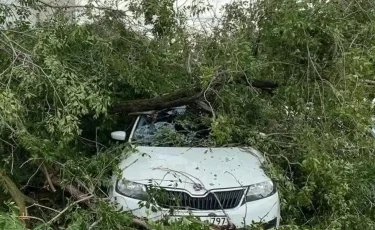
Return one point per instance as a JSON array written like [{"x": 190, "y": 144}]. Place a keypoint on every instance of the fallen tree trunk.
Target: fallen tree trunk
[
  {"x": 177, "y": 98},
  {"x": 186, "y": 96}
]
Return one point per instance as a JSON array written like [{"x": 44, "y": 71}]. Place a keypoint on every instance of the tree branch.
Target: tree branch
[
  {"x": 77, "y": 6},
  {"x": 16, "y": 195},
  {"x": 69, "y": 206},
  {"x": 46, "y": 174},
  {"x": 369, "y": 82},
  {"x": 72, "y": 190},
  {"x": 81, "y": 197}
]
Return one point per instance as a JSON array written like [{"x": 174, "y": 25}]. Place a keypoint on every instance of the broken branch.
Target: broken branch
[
  {"x": 69, "y": 206},
  {"x": 141, "y": 223},
  {"x": 49, "y": 181},
  {"x": 81, "y": 197},
  {"x": 369, "y": 82},
  {"x": 72, "y": 190},
  {"x": 16, "y": 195}
]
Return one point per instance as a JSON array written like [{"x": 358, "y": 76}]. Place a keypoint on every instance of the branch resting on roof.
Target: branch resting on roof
[{"x": 185, "y": 96}]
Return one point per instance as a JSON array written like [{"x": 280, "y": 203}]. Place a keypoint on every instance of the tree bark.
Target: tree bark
[
  {"x": 260, "y": 84},
  {"x": 186, "y": 96},
  {"x": 177, "y": 98}
]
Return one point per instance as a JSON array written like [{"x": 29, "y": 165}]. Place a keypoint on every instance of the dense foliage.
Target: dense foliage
[{"x": 60, "y": 80}]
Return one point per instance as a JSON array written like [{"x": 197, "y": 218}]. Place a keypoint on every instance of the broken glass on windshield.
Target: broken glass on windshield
[{"x": 173, "y": 127}]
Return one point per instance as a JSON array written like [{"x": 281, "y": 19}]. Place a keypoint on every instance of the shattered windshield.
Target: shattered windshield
[{"x": 173, "y": 127}]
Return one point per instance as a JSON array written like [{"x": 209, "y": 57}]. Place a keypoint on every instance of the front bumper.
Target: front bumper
[{"x": 266, "y": 210}]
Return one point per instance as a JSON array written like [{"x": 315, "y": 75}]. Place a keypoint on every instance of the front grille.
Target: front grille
[{"x": 211, "y": 201}]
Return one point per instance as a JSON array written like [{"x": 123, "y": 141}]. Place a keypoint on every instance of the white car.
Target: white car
[{"x": 224, "y": 186}]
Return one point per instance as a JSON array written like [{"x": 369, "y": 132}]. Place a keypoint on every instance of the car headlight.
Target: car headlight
[
  {"x": 131, "y": 189},
  {"x": 260, "y": 191}
]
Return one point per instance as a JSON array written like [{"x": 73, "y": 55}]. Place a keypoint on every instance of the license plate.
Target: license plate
[{"x": 220, "y": 221}]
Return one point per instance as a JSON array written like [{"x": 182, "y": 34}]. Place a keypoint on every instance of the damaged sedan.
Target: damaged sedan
[{"x": 176, "y": 174}]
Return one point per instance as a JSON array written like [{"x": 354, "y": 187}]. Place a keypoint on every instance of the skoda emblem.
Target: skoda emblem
[{"x": 197, "y": 187}]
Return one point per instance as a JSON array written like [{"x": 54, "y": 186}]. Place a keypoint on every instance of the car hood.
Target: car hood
[{"x": 181, "y": 168}]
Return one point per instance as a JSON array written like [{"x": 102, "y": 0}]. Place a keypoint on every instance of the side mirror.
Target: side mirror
[{"x": 119, "y": 135}]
